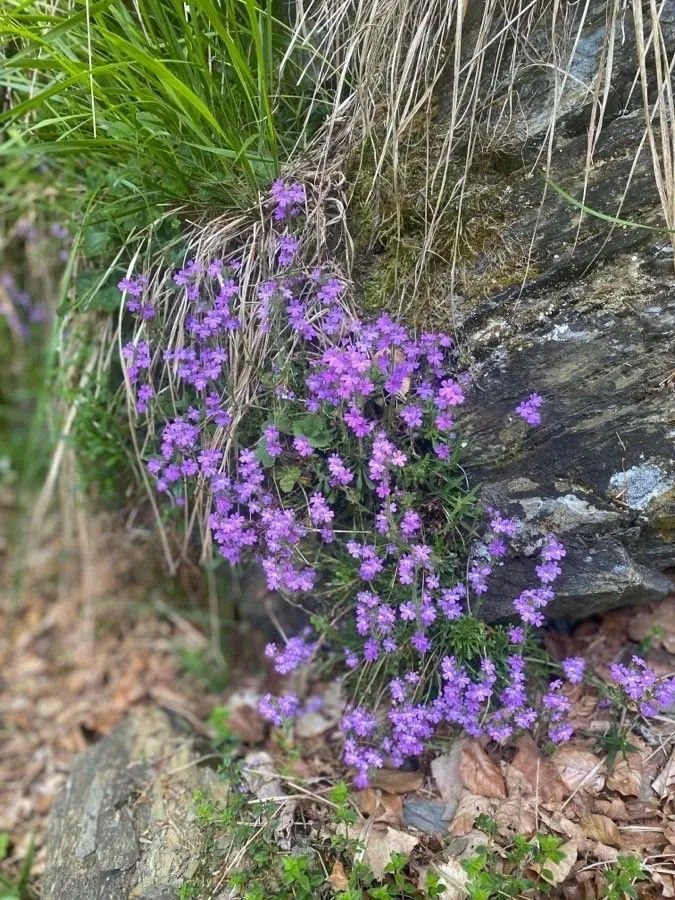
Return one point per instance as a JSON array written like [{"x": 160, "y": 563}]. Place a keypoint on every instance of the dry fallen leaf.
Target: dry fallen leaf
[
  {"x": 558, "y": 821},
  {"x": 517, "y": 816},
  {"x": 380, "y": 842},
  {"x": 615, "y": 808},
  {"x": 261, "y": 776},
  {"x": 580, "y": 769},
  {"x": 601, "y": 828},
  {"x": 311, "y": 724},
  {"x": 540, "y": 772},
  {"x": 468, "y": 810},
  {"x": 453, "y": 876},
  {"x": 667, "y": 883},
  {"x": 556, "y": 873},
  {"x": 626, "y": 776},
  {"x": 640, "y": 840},
  {"x": 247, "y": 723},
  {"x": 338, "y": 877},
  {"x": 380, "y": 806},
  {"x": 395, "y": 781},
  {"x": 479, "y": 773},
  {"x": 602, "y": 852},
  {"x": 657, "y": 626},
  {"x": 664, "y": 783}
]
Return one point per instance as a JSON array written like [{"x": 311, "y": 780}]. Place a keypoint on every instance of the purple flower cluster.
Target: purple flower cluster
[
  {"x": 21, "y": 312},
  {"x": 296, "y": 652},
  {"x": 135, "y": 286},
  {"x": 574, "y": 667},
  {"x": 640, "y": 685},
  {"x": 557, "y": 705},
  {"x": 342, "y": 476},
  {"x": 529, "y": 410},
  {"x": 289, "y": 199},
  {"x": 530, "y": 602},
  {"x": 278, "y": 709}
]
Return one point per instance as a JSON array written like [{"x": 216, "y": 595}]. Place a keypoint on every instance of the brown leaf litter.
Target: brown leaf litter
[{"x": 74, "y": 663}]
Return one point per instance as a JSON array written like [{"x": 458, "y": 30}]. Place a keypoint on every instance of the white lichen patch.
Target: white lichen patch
[
  {"x": 563, "y": 332},
  {"x": 565, "y": 513},
  {"x": 639, "y": 485}
]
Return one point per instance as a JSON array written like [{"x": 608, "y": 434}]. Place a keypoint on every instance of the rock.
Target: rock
[
  {"x": 589, "y": 328},
  {"x": 124, "y": 825},
  {"x": 426, "y": 816},
  {"x": 545, "y": 297},
  {"x": 599, "y": 471}
]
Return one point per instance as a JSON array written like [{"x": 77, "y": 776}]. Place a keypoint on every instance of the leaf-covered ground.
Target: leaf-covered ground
[{"x": 89, "y": 635}]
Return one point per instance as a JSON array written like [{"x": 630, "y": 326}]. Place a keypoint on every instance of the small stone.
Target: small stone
[{"x": 425, "y": 816}]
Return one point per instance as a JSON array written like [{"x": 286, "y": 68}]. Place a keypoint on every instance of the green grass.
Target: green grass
[
  {"x": 15, "y": 887},
  {"x": 146, "y": 105},
  {"x": 122, "y": 120}
]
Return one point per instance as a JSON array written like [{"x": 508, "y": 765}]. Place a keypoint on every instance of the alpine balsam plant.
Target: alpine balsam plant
[{"x": 346, "y": 486}]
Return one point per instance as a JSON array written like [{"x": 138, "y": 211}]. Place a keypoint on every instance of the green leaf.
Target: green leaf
[
  {"x": 287, "y": 478},
  {"x": 314, "y": 429},
  {"x": 262, "y": 455}
]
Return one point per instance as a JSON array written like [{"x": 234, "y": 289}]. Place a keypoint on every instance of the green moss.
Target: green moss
[
  {"x": 398, "y": 266},
  {"x": 665, "y": 528}
]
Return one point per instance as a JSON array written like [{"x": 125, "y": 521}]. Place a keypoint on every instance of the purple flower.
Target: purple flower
[
  {"x": 358, "y": 422},
  {"x": 272, "y": 444},
  {"x": 289, "y": 199},
  {"x": 408, "y": 611},
  {"x": 444, "y": 421},
  {"x": 478, "y": 575},
  {"x": 555, "y": 702},
  {"x": 351, "y": 659},
  {"x": 636, "y": 680},
  {"x": 552, "y": 550},
  {"x": 529, "y": 410},
  {"x": 517, "y": 634},
  {"x": 450, "y": 602},
  {"x": 548, "y": 572},
  {"x": 214, "y": 268},
  {"x": 288, "y": 247},
  {"x": 360, "y": 721},
  {"x": 573, "y": 667},
  {"x": 410, "y": 523},
  {"x": 501, "y": 525},
  {"x": 371, "y": 650},
  {"x": 294, "y": 654},
  {"x": 560, "y": 733},
  {"x": 496, "y": 548},
  {"x": 302, "y": 446},
  {"x": 341, "y": 475},
  {"x": 449, "y": 394},
  {"x": 411, "y": 415},
  {"x": 145, "y": 392},
  {"x": 277, "y": 709},
  {"x": 319, "y": 511},
  {"x": 135, "y": 285},
  {"x": 371, "y": 564},
  {"x": 420, "y": 642}
]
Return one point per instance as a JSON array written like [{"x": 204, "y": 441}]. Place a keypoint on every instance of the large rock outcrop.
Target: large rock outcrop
[
  {"x": 124, "y": 826},
  {"x": 599, "y": 470},
  {"x": 591, "y": 327},
  {"x": 549, "y": 298}
]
